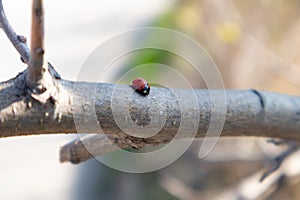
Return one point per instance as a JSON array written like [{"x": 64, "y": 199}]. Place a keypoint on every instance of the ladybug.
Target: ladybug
[{"x": 141, "y": 86}]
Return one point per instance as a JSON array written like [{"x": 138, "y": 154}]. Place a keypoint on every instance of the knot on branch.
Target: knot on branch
[
  {"x": 46, "y": 88},
  {"x": 22, "y": 38},
  {"x": 38, "y": 11},
  {"x": 43, "y": 91}
]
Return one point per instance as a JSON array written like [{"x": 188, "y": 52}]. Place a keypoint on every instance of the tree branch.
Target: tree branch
[
  {"x": 37, "y": 101},
  {"x": 275, "y": 163},
  {"x": 36, "y": 67},
  {"x": 16, "y": 40},
  {"x": 87, "y": 147},
  {"x": 279, "y": 117},
  {"x": 251, "y": 188},
  {"x": 19, "y": 41},
  {"x": 249, "y": 113}
]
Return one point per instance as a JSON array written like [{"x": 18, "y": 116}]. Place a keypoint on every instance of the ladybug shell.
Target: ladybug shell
[{"x": 141, "y": 86}]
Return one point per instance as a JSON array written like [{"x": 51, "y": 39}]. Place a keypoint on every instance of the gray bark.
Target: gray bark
[{"x": 249, "y": 112}]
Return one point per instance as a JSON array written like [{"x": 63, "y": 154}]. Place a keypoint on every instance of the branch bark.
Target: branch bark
[{"x": 249, "y": 114}]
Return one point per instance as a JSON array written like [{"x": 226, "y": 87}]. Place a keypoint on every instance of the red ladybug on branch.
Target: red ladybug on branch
[{"x": 141, "y": 86}]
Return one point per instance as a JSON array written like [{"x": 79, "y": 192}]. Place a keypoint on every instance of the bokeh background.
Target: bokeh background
[{"x": 255, "y": 44}]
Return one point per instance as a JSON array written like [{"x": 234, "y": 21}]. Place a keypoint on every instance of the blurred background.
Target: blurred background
[{"x": 255, "y": 44}]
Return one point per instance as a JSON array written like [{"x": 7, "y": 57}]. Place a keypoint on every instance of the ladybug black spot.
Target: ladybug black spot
[
  {"x": 145, "y": 91},
  {"x": 141, "y": 86}
]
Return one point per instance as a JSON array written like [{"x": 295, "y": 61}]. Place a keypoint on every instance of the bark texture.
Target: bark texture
[{"x": 248, "y": 112}]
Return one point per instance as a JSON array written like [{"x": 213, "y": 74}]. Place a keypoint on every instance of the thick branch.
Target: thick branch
[
  {"x": 38, "y": 102},
  {"x": 82, "y": 107},
  {"x": 249, "y": 114}
]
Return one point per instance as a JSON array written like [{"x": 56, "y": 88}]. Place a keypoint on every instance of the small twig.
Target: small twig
[
  {"x": 36, "y": 66},
  {"x": 19, "y": 41},
  {"x": 93, "y": 145},
  {"x": 76, "y": 150},
  {"x": 276, "y": 141},
  {"x": 275, "y": 163},
  {"x": 250, "y": 188},
  {"x": 20, "y": 45}
]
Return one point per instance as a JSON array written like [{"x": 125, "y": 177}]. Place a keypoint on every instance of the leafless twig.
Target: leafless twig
[
  {"x": 275, "y": 163},
  {"x": 36, "y": 64},
  {"x": 250, "y": 189},
  {"x": 16, "y": 40},
  {"x": 93, "y": 145},
  {"x": 19, "y": 41}
]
